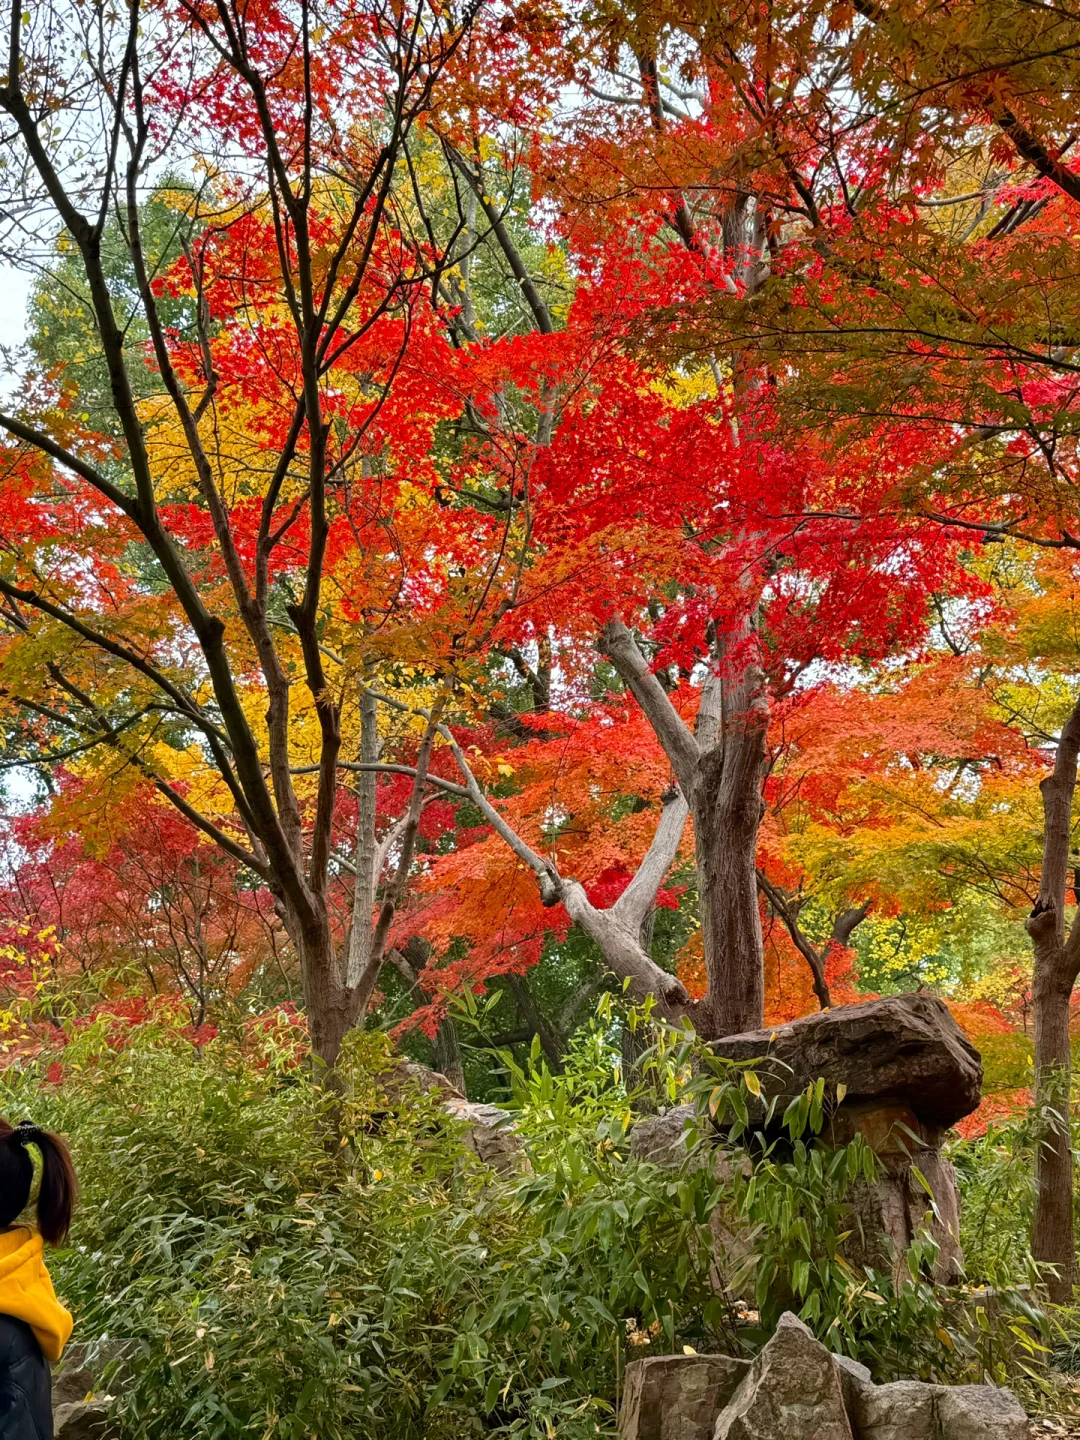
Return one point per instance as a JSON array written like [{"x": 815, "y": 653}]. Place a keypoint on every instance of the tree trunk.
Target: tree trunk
[
  {"x": 533, "y": 1017},
  {"x": 1057, "y": 964},
  {"x": 725, "y": 847},
  {"x": 1052, "y": 1238},
  {"x": 720, "y": 767},
  {"x": 358, "y": 944},
  {"x": 448, "y": 1054},
  {"x": 327, "y": 1003}
]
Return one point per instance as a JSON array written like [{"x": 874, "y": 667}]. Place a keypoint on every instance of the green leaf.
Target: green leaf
[
  {"x": 491, "y": 1392},
  {"x": 921, "y": 1178}
]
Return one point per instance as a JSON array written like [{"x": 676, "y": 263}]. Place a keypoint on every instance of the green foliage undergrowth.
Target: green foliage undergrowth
[
  {"x": 294, "y": 1266},
  {"x": 282, "y": 1286}
]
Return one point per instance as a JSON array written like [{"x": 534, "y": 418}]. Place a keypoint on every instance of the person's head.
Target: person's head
[{"x": 57, "y": 1191}]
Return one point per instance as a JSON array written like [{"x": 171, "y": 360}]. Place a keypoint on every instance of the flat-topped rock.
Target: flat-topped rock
[
  {"x": 905, "y": 1048},
  {"x": 406, "y": 1077},
  {"x": 677, "y": 1397},
  {"x": 979, "y": 1412}
]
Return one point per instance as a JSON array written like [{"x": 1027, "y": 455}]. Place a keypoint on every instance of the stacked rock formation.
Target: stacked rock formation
[
  {"x": 796, "y": 1389},
  {"x": 906, "y": 1072}
]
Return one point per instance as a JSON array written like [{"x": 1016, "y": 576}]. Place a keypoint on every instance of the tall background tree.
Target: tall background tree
[
  {"x": 170, "y": 597},
  {"x": 912, "y": 180}
]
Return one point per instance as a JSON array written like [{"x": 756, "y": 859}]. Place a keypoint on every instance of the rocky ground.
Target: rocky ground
[
  {"x": 796, "y": 1389},
  {"x": 1055, "y": 1429}
]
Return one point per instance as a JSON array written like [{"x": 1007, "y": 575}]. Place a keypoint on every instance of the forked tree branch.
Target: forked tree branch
[
  {"x": 675, "y": 736},
  {"x": 617, "y": 932}
]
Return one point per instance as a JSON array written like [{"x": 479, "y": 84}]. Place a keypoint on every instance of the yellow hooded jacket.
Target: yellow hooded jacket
[{"x": 26, "y": 1291}]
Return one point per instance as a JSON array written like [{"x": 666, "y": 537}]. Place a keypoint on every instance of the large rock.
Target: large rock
[
  {"x": 903, "y": 1410},
  {"x": 907, "y": 1073},
  {"x": 792, "y": 1392},
  {"x": 489, "y": 1133},
  {"x": 978, "y": 1412},
  {"x": 80, "y": 1380},
  {"x": 677, "y": 1397},
  {"x": 406, "y": 1077},
  {"x": 906, "y": 1049},
  {"x": 911, "y": 1410},
  {"x": 662, "y": 1139},
  {"x": 83, "y": 1420},
  {"x": 88, "y": 1367}
]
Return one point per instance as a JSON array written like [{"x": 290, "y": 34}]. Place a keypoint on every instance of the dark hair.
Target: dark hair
[{"x": 58, "y": 1188}]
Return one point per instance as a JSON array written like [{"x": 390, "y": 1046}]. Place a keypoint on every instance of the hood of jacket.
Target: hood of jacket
[{"x": 26, "y": 1291}]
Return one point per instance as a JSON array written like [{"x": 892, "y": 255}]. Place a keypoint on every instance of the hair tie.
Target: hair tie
[{"x": 26, "y": 1133}]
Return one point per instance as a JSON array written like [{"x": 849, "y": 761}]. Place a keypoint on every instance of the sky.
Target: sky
[{"x": 14, "y": 293}]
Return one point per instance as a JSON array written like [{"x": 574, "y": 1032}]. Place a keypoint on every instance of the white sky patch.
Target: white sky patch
[{"x": 15, "y": 288}]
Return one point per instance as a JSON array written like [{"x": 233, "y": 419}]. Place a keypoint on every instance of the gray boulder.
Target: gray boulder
[
  {"x": 977, "y": 1412},
  {"x": 792, "y": 1392},
  {"x": 86, "y": 1368},
  {"x": 489, "y": 1133},
  {"x": 903, "y": 1410},
  {"x": 911, "y": 1410},
  {"x": 661, "y": 1139},
  {"x": 677, "y": 1397},
  {"x": 83, "y": 1420},
  {"x": 905, "y": 1048},
  {"x": 407, "y": 1077}
]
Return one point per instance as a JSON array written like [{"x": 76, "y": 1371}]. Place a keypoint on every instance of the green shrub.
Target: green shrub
[
  {"x": 283, "y": 1284},
  {"x": 996, "y": 1175}
]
